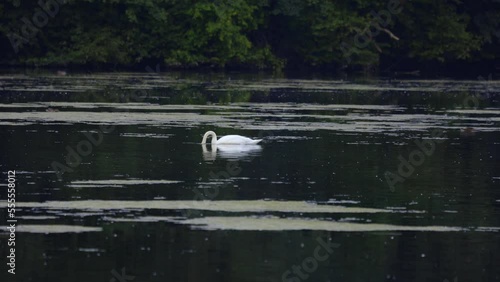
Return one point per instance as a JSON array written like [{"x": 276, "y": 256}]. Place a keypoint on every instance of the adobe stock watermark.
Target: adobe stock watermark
[
  {"x": 406, "y": 167},
  {"x": 203, "y": 197},
  {"x": 310, "y": 264},
  {"x": 473, "y": 101},
  {"x": 85, "y": 147},
  {"x": 379, "y": 22},
  {"x": 426, "y": 147},
  {"x": 28, "y": 27},
  {"x": 120, "y": 277}
]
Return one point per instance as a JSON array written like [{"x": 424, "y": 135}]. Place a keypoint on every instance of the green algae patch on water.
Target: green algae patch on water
[
  {"x": 37, "y": 217},
  {"x": 290, "y": 224},
  {"x": 55, "y": 228},
  {"x": 223, "y": 206},
  {"x": 118, "y": 183}
]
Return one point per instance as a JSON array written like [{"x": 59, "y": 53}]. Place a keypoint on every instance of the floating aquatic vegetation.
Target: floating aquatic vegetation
[
  {"x": 91, "y": 250},
  {"x": 275, "y": 117},
  {"x": 37, "y": 217},
  {"x": 118, "y": 182},
  {"x": 224, "y": 206},
  {"x": 271, "y": 223},
  {"x": 54, "y": 228},
  {"x": 146, "y": 135}
]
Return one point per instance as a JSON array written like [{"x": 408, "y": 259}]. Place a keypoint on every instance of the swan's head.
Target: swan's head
[{"x": 206, "y": 135}]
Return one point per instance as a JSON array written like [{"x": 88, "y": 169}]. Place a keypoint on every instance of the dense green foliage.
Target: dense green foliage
[{"x": 248, "y": 33}]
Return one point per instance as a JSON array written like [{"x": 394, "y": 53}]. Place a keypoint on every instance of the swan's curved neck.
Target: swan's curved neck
[{"x": 207, "y": 134}]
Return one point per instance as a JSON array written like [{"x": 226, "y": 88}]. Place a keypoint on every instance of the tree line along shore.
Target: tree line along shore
[{"x": 381, "y": 35}]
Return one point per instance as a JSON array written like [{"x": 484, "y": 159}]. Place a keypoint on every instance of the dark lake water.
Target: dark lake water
[{"x": 362, "y": 180}]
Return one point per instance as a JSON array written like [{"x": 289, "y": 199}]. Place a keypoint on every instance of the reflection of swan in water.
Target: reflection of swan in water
[
  {"x": 229, "y": 139},
  {"x": 230, "y": 151}
]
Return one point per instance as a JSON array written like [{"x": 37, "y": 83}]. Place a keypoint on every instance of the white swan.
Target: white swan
[{"x": 229, "y": 139}]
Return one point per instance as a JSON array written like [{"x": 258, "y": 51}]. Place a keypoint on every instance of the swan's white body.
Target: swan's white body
[
  {"x": 230, "y": 151},
  {"x": 229, "y": 139}
]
